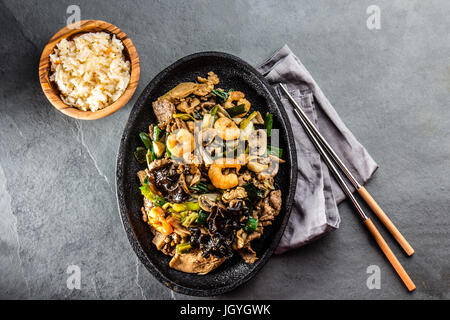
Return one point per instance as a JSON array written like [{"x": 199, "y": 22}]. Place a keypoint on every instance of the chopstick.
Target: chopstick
[
  {"x": 361, "y": 190},
  {"x": 367, "y": 221}
]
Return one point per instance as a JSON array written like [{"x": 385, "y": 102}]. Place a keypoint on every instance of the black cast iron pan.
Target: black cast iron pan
[{"x": 233, "y": 73}]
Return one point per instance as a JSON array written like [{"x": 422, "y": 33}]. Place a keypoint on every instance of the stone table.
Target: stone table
[{"x": 391, "y": 86}]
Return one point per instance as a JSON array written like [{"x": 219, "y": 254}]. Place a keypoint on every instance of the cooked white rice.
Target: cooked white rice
[{"x": 90, "y": 71}]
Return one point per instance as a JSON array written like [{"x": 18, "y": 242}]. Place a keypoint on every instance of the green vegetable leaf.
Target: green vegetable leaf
[
  {"x": 202, "y": 218},
  {"x": 139, "y": 154},
  {"x": 221, "y": 95},
  {"x": 251, "y": 225},
  {"x": 253, "y": 192},
  {"x": 159, "y": 201}
]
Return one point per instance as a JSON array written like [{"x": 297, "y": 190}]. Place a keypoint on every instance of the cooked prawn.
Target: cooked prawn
[
  {"x": 220, "y": 180},
  {"x": 180, "y": 143},
  {"x": 227, "y": 129},
  {"x": 239, "y": 97},
  {"x": 234, "y": 96},
  {"x": 156, "y": 217}
]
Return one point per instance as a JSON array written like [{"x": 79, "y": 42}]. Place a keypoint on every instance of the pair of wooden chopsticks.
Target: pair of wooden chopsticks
[{"x": 328, "y": 155}]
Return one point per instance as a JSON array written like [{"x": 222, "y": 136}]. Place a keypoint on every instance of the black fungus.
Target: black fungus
[
  {"x": 166, "y": 179},
  {"x": 223, "y": 222}
]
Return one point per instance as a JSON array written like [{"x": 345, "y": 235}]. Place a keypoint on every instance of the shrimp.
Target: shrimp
[
  {"x": 234, "y": 96},
  {"x": 240, "y": 98},
  {"x": 180, "y": 143},
  {"x": 156, "y": 218},
  {"x": 227, "y": 129},
  {"x": 220, "y": 180}
]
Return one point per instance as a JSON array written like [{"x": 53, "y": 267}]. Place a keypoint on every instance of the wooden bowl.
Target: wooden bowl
[{"x": 50, "y": 88}]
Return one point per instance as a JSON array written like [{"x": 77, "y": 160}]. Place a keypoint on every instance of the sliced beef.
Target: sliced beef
[
  {"x": 164, "y": 110},
  {"x": 270, "y": 207}
]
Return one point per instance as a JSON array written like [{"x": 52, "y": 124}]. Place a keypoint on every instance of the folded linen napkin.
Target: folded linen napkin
[{"x": 314, "y": 212}]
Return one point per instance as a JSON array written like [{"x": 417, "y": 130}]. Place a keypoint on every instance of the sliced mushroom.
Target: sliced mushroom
[
  {"x": 257, "y": 164},
  {"x": 272, "y": 170},
  {"x": 257, "y": 142},
  {"x": 195, "y": 102},
  {"x": 207, "y": 104},
  {"x": 207, "y": 136},
  {"x": 206, "y": 203}
]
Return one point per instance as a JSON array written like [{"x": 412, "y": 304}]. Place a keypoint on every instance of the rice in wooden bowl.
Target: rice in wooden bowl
[{"x": 89, "y": 72}]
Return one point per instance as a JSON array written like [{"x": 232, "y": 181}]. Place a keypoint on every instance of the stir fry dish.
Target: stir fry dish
[{"x": 208, "y": 185}]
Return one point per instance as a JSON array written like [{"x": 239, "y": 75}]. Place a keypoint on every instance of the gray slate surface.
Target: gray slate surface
[{"x": 390, "y": 86}]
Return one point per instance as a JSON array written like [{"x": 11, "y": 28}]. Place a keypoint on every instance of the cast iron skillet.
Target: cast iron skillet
[{"x": 233, "y": 73}]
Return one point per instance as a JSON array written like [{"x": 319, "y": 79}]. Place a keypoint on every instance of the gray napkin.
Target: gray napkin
[{"x": 315, "y": 205}]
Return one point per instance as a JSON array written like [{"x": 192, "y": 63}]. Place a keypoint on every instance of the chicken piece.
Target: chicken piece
[
  {"x": 164, "y": 110},
  {"x": 204, "y": 88},
  {"x": 248, "y": 254},
  {"x": 194, "y": 262},
  {"x": 240, "y": 239},
  {"x": 179, "y": 92},
  {"x": 212, "y": 78}
]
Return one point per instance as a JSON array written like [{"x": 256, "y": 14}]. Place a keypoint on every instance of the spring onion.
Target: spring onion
[
  {"x": 147, "y": 192},
  {"x": 214, "y": 110},
  {"x": 183, "y": 247},
  {"x": 146, "y": 140},
  {"x": 207, "y": 121},
  {"x": 183, "y": 116},
  {"x": 268, "y": 123},
  {"x": 237, "y": 110},
  {"x": 277, "y": 152},
  {"x": 248, "y": 120},
  {"x": 185, "y": 206},
  {"x": 190, "y": 219},
  {"x": 156, "y": 133},
  {"x": 251, "y": 225},
  {"x": 150, "y": 156},
  {"x": 247, "y": 131}
]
